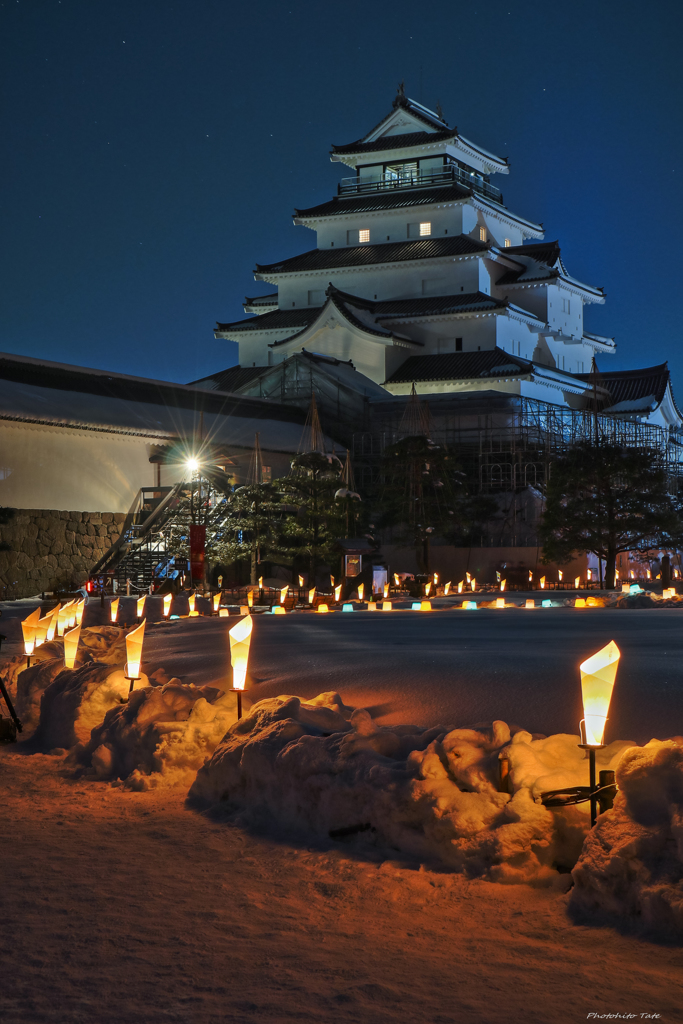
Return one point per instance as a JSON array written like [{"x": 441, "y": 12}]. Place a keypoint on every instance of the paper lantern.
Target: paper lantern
[
  {"x": 502, "y": 584},
  {"x": 649, "y": 574},
  {"x": 500, "y": 602},
  {"x": 425, "y": 606},
  {"x": 531, "y": 576},
  {"x": 114, "y": 609},
  {"x": 323, "y": 609},
  {"x": 217, "y": 601},
  {"x": 347, "y": 607},
  {"x": 580, "y": 602},
  {"x": 428, "y": 587},
  {"x": 386, "y": 606},
  {"x": 260, "y": 582},
  {"x": 72, "y": 614},
  {"x": 625, "y": 588},
  {"x": 460, "y": 586},
  {"x": 337, "y": 593},
  {"x": 250, "y": 598},
  {"x": 311, "y": 595},
  {"x": 283, "y": 594},
  {"x": 140, "y": 606},
  {"x": 397, "y": 582},
  {"x": 80, "y": 609},
  {"x": 62, "y": 618},
  {"x": 598, "y": 675},
  {"x": 277, "y": 609},
  {"x": 301, "y": 580},
  {"x": 542, "y": 581},
  {"x": 385, "y": 591},
  {"x": 589, "y": 574},
  {"x": 134, "y": 652},
  {"x": 470, "y": 606},
  {"x": 577, "y": 583},
  {"x": 167, "y": 605},
  {"x": 591, "y": 603},
  {"x": 546, "y": 604},
  {"x": 332, "y": 581},
  {"x": 473, "y": 585},
  {"x": 559, "y": 575},
  {"x": 530, "y": 603},
  {"x": 52, "y": 627},
  {"x": 28, "y": 629},
  {"x": 446, "y": 588},
  {"x": 191, "y": 602},
  {"x": 224, "y": 613},
  {"x": 415, "y": 606},
  {"x": 468, "y": 577},
  {"x": 245, "y": 609},
  {"x": 42, "y": 627},
  {"x": 240, "y": 641},
  {"x": 71, "y": 646},
  {"x": 361, "y": 591}
]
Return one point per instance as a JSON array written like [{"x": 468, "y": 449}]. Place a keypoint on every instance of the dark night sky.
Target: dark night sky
[{"x": 155, "y": 151}]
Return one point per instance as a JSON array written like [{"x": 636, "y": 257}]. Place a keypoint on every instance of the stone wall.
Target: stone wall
[{"x": 51, "y": 550}]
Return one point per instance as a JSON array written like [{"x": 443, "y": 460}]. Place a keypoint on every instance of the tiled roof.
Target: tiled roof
[
  {"x": 436, "y": 305},
  {"x": 261, "y": 300},
  {"x": 460, "y": 366},
  {"x": 231, "y": 379},
  {"x": 367, "y": 255},
  {"x": 529, "y": 274},
  {"x": 277, "y": 319},
  {"x": 632, "y": 385},
  {"x": 397, "y": 141},
  {"x": 404, "y": 197},
  {"x": 543, "y": 252}
]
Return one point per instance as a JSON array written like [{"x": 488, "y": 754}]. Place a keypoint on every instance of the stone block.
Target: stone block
[
  {"x": 62, "y": 514},
  {"x": 82, "y": 529},
  {"x": 102, "y": 531},
  {"x": 107, "y": 517},
  {"x": 69, "y": 537},
  {"x": 90, "y": 530},
  {"x": 64, "y": 562},
  {"x": 57, "y": 548}
]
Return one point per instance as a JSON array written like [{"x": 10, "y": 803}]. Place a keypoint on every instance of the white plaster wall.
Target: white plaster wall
[
  {"x": 569, "y": 322},
  {"x": 62, "y": 469},
  {"x": 368, "y": 357}
]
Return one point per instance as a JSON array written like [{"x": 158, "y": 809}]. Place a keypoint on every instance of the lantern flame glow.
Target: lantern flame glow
[
  {"x": 446, "y": 587},
  {"x": 167, "y": 605},
  {"x": 140, "y": 606},
  {"x": 361, "y": 591},
  {"x": 134, "y": 651},
  {"x": 114, "y": 609},
  {"x": 240, "y": 642},
  {"x": 71, "y": 646},
  {"x": 337, "y": 593},
  {"x": 28, "y": 629},
  {"x": 191, "y": 602},
  {"x": 283, "y": 594},
  {"x": 216, "y": 601},
  {"x": 598, "y": 675},
  {"x": 311, "y": 595},
  {"x": 502, "y": 585}
]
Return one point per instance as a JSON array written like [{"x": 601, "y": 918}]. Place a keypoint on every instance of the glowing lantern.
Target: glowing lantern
[
  {"x": 41, "y": 629},
  {"x": 386, "y": 606},
  {"x": 140, "y": 606},
  {"x": 470, "y": 606},
  {"x": 676, "y": 574},
  {"x": 425, "y": 606},
  {"x": 114, "y": 610},
  {"x": 436, "y": 579},
  {"x": 260, "y": 582},
  {"x": 301, "y": 580},
  {"x": 191, "y": 602},
  {"x": 460, "y": 586},
  {"x": 52, "y": 627},
  {"x": 311, "y": 595},
  {"x": 62, "y": 619},
  {"x": 580, "y": 602},
  {"x": 502, "y": 584},
  {"x": 245, "y": 609},
  {"x": 71, "y": 621},
  {"x": 240, "y": 641},
  {"x": 500, "y": 602},
  {"x": 626, "y": 588},
  {"x": 71, "y": 646},
  {"x": 446, "y": 587},
  {"x": 559, "y": 575},
  {"x": 134, "y": 653},
  {"x": 361, "y": 591},
  {"x": 337, "y": 593},
  {"x": 415, "y": 606},
  {"x": 277, "y": 609},
  {"x": 283, "y": 594},
  {"x": 649, "y": 574},
  {"x": 224, "y": 613},
  {"x": 530, "y": 603},
  {"x": 473, "y": 585},
  {"x": 597, "y": 682},
  {"x": 546, "y": 604},
  {"x": 347, "y": 607},
  {"x": 468, "y": 577},
  {"x": 322, "y": 608},
  {"x": 542, "y": 582},
  {"x": 220, "y": 582},
  {"x": 386, "y": 590},
  {"x": 80, "y": 609},
  {"x": 428, "y": 587},
  {"x": 217, "y": 601},
  {"x": 167, "y": 605},
  {"x": 577, "y": 582},
  {"x": 397, "y": 582},
  {"x": 332, "y": 580},
  {"x": 250, "y": 598},
  {"x": 531, "y": 576},
  {"x": 28, "y": 629}
]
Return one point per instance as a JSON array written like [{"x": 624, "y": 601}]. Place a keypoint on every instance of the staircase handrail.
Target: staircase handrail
[{"x": 122, "y": 546}]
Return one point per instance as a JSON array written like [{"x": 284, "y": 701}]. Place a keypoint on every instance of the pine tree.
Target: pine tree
[
  {"x": 607, "y": 499},
  {"x": 249, "y": 528},
  {"x": 316, "y": 520}
]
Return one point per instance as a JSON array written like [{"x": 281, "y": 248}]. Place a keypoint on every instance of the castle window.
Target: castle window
[
  {"x": 482, "y": 234},
  {"x": 364, "y": 236},
  {"x": 425, "y": 228},
  {"x": 508, "y": 243},
  {"x": 566, "y": 306},
  {"x": 458, "y": 344}
]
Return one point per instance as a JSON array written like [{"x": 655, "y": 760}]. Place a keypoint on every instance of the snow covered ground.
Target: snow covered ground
[{"x": 129, "y": 906}]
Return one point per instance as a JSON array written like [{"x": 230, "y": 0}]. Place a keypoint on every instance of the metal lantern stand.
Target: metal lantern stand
[{"x": 602, "y": 794}]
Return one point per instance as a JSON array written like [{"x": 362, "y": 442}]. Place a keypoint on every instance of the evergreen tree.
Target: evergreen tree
[
  {"x": 607, "y": 499},
  {"x": 249, "y": 527},
  {"x": 315, "y": 520}
]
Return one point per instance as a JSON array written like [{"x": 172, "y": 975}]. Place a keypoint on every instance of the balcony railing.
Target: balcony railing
[{"x": 391, "y": 181}]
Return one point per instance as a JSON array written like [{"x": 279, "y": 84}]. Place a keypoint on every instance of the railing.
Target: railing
[{"x": 420, "y": 179}]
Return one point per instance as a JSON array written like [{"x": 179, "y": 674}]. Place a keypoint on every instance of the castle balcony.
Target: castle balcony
[{"x": 390, "y": 181}]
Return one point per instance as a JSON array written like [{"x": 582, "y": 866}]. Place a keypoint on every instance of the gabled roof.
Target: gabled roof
[
  {"x": 277, "y": 319},
  {"x": 540, "y": 261},
  {"x": 372, "y": 201},
  {"x": 336, "y": 300},
  {"x": 368, "y": 255},
  {"x": 397, "y": 141},
  {"x": 460, "y": 366},
  {"x": 632, "y": 386}
]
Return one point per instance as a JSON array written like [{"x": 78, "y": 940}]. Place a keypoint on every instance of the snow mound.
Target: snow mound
[
  {"x": 432, "y": 794},
  {"x": 29, "y": 689},
  {"x": 76, "y": 701},
  {"x": 631, "y": 869},
  {"x": 159, "y": 736}
]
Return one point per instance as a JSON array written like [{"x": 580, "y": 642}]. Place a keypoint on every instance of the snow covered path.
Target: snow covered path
[{"x": 125, "y": 908}]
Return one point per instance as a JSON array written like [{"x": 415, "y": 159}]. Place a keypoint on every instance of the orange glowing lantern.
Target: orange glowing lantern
[
  {"x": 250, "y": 598},
  {"x": 473, "y": 584},
  {"x": 240, "y": 642},
  {"x": 361, "y": 591},
  {"x": 301, "y": 580},
  {"x": 311, "y": 595},
  {"x": 283, "y": 594},
  {"x": 52, "y": 626},
  {"x": 28, "y": 629},
  {"x": 502, "y": 584},
  {"x": 397, "y": 582},
  {"x": 42, "y": 627},
  {"x": 323, "y": 609},
  {"x": 63, "y": 618},
  {"x": 531, "y": 576},
  {"x": 460, "y": 586},
  {"x": 134, "y": 653},
  {"x": 337, "y": 593},
  {"x": 580, "y": 602},
  {"x": 559, "y": 575},
  {"x": 71, "y": 646},
  {"x": 425, "y": 606},
  {"x": 216, "y": 602},
  {"x": 140, "y": 606},
  {"x": 114, "y": 609},
  {"x": 500, "y": 602},
  {"x": 386, "y": 606},
  {"x": 598, "y": 675},
  {"x": 577, "y": 583},
  {"x": 191, "y": 602},
  {"x": 542, "y": 582},
  {"x": 530, "y": 603},
  {"x": 385, "y": 590},
  {"x": 167, "y": 605},
  {"x": 428, "y": 587},
  {"x": 446, "y": 587},
  {"x": 468, "y": 577}
]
